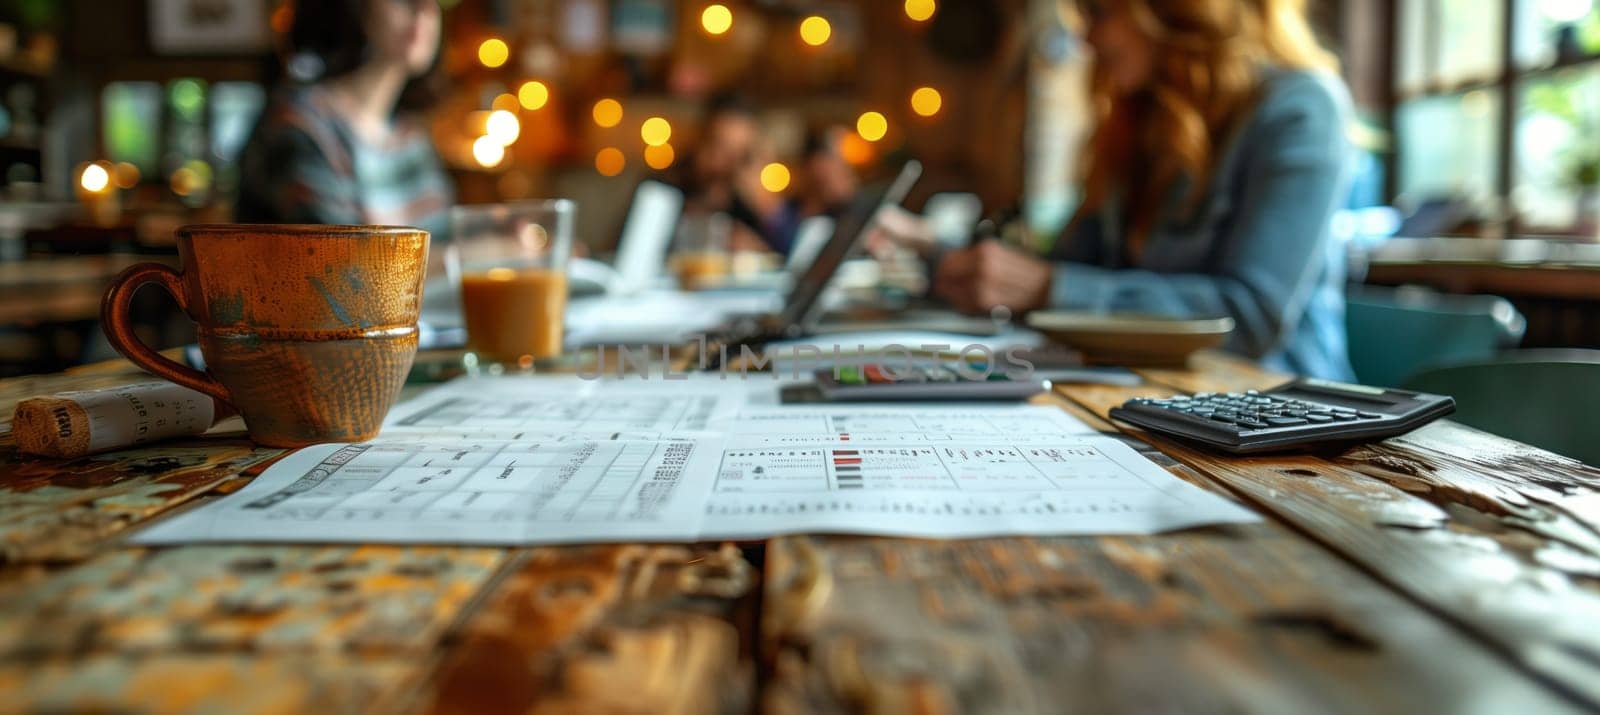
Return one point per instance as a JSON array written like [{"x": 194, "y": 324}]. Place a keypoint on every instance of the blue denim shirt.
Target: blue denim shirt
[{"x": 1256, "y": 246}]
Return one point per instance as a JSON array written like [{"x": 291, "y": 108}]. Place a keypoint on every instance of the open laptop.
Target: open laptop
[
  {"x": 642, "y": 250},
  {"x": 803, "y": 307}
]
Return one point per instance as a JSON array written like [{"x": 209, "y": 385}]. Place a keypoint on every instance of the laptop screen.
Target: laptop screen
[{"x": 803, "y": 307}]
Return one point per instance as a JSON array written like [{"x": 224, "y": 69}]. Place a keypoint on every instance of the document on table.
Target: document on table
[
  {"x": 565, "y": 404},
  {"x": 544, "y": 489},
  {"x": 967, "y": 488},
  {"x": 562, "y": 460}
]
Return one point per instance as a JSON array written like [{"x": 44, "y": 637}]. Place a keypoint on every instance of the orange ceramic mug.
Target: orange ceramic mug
[{"x": 308, "y": 330}]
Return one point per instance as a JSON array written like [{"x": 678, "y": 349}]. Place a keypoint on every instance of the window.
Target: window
[
  {"x": 1450, "y": 144},
  {"x": 1557, "y": 143},
  {"x": 1456, "y": 66},
  {"x": 131, "y": 123},
  {"x": 234, "y": 108}
]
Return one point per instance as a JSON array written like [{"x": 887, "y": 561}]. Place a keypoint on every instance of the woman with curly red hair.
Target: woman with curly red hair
[{"x": 1209, "y": 185}]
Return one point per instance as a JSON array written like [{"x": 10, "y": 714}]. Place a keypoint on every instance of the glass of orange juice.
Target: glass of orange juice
[{"x": 509, "y": 262}]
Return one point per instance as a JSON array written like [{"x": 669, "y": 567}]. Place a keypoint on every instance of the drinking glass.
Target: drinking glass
[
  {"x": 700, "y": 257},
  {"x": 509, "y": 261}
]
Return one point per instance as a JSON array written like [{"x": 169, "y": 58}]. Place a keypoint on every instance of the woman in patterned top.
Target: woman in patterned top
[{"x": 342, "y": 143}]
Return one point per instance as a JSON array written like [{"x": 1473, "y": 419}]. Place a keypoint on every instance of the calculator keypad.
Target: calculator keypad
[{"x": 1243, "y": 411}]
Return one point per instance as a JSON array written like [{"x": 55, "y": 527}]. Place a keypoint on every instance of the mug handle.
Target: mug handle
[{"x": 119, "y": 328}]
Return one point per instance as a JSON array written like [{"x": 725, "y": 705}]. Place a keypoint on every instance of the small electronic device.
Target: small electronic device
[
  {"x": 881, "y": 383},
  {"x": 803, "y": 306},
  {"x": 1301, "y": 414}
]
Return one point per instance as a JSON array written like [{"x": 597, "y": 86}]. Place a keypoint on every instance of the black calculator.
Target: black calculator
[{"x": 1301, "y": 414}]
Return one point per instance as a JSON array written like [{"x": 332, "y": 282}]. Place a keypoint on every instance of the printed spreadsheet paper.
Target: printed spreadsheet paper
[{"x": 557, "y": 460}]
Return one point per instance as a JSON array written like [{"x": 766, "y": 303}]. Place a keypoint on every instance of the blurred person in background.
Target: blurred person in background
[
  {"x": 723, "y": 175},
  {"x": 1210, "y": 182},
  {"x": 827, "y": 184},
  {"x": 343, "y": 142}
]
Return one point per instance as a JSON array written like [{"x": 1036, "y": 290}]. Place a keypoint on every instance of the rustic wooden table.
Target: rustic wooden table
[{"x": 1445, "y": 571}]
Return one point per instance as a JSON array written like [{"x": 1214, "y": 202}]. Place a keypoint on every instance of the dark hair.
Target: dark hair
[
  {"x": 330, "y": 38},
  {"x": 730, "y": 104},
  {"x": 821, "y": 141}
]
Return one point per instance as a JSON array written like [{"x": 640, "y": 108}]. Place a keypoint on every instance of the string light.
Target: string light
[
  {"x": 926, "y": 101},
  {"x": 610, "y": 161},
  {"x": 503, "y": 127},
  {"x": 774, "y": 177},
  {"x": 488, "y": 152},
  {"x": 191, "y": 178},
  {"x": 493, "y": 52},
  {"x": 94, "y": 178},
  {"x": 655, "y": 131},
  {"x": 607, "y": 112},
  {"x": 815, "y": 30},
  {"x": 855, "y": 150},
  {"x": 920, "y": 10},
  {"x": 533, "y": 95},
  {"x": 659, "y": 157},
  {"x": 872, "y": 126},
  {"x": 716, "y": 19},
  {"x": 126, "y": 174}
]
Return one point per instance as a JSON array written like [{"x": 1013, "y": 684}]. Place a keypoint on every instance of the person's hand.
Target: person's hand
[
  {"x": 990, "y": 275},
  {"x": 894, "y": 227}
]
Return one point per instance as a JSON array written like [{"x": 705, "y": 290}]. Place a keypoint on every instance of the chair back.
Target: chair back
[
  {"x": 1396, "y": 333},
  {"x": 1545, "y": 398}
]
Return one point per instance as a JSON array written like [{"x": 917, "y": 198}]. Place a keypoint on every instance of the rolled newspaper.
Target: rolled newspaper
[{"x": 73, "y": 424}]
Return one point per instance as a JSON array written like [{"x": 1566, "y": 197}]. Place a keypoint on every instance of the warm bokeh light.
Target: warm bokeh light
[
  {"x": 533, "y": 95},
  {"x": 774, "y": 177},
  {"x": 493, "y": 52},
  {"x": 504, "y": 102},
  {"x": 502, "y": 127},
  {"x": 855, "y": 150},
  {"x": 190, "y": 179},
  {"x": 182, "y": 181},
  {"x": 94, "y": 178},
  {"x": 126, "y": 175},
  {"x": 659, "y": 157},
  {"x": 610, "y": 161},
  {"x": 926, "y": 101},
  {"x": 655, "y": 131},
  {"x": 716, "y": 19},
  {"x": 815, "y": 30},
  {"x": 282, "y": 18},
  {"x": 920, "y": 10},
  {"x": 488, "y": 152},
  {"x": 607, "y": 112},
  {"x": 872, "y": 126}
]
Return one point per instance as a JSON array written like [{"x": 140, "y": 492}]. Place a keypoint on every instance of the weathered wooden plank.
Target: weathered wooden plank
[
  {"x": 205, "y": 683},
  {"x": 1455, "y": 467},
  {"x": 231, "y": 628},
  {"x": 1240, "y": 619},
  {"x": 62, "y": 510},
  {"x": 247, "y": 599},
  {"x": 630, "y": 628},
  {"x": 1448, "y": 464},
  {"x": 1470, "y": 563}
]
